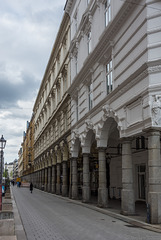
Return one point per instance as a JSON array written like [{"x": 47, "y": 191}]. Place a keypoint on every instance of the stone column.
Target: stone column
[
  {"x": 43, "y": 179},
  {"x": 46, "y": 179},
  {"x": 49, "y": 179},
  {"x": 74, "y": 179},
  {"x": 154, "y": 164},
  {"x": 102, "y": 190},
  {"x": 65, "y": 186},
  {"x": 58, "y": 167},
  {"x": 128, "y": 196},
  {"x": 53, "y": 182},
  {"x": 40, "y": 180},
  {"x": 36, "y": 176},
  {"x": 70, "y": 179},
  {"x": 86, "y": 179}
]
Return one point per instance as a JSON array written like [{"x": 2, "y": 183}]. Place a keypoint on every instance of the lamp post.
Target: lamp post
[{"x": 2, "y": 146}]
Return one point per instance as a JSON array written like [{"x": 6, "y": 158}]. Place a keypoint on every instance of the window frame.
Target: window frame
[
  {"x": 89, "y": 46},
  {"x": 90, "y": 96},
  {"x": 109, "y": 76},
  {"x": 107, "y": 12}
]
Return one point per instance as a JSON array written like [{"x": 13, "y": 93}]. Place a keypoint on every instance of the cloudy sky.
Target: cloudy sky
[{"x": 27, "y": 32}]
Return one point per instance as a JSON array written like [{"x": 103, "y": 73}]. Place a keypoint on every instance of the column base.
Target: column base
[
  {"x": 64, "y": 190},
  {"x": 74, "y": 192},
  {"x": 155, "y": 207},
  {"x": 103, "y": 197},
  {"x": 58, "y": 189},
  {"x": 53, "y": 188},
  {"x": 49, "y": 188},
  {"x": 128, "y": 202},
  {"x": 86, "y": 194},
  {"x": 46, "y": 188}
]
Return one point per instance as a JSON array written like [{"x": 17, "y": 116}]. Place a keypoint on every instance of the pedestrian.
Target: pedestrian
[{"x": 31, "y": 187}]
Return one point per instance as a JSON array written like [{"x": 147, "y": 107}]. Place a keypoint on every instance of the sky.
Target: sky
[{"x": 27, "y": 32}]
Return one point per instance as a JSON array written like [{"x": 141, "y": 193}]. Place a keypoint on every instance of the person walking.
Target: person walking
[{"x": 31, "y": 187}]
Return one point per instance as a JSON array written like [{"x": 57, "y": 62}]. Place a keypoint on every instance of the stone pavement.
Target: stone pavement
[
  {"x": 19, "y": 230},
  {"x": 138, "y": 220}
]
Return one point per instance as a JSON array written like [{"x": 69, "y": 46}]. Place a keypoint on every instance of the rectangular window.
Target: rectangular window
[
  {"x": 77, "y": 109},
  {"x": 140, "y": 142},
  {"x": 109, "y": 81},
  {"x": 76, "y": 21},
  {"x": 64, "y": 83},
  {"x": 76, "y": 65},
  {"x": 90, "y": 96},
  {"x": 65, "y": 121},
  {"x": 89, "y": 42},
  {"x": 107, "y": 12}
]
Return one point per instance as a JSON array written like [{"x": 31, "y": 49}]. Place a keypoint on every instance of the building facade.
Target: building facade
[
  {"x": 27, "y": 152},
  {"x": 98, "y": 111},
  {"x": 115, "y": 101},
  {"x": 9, "y": 167},
  {"x": 20, "y": 162},
  {"x": 52, "y": 119}
]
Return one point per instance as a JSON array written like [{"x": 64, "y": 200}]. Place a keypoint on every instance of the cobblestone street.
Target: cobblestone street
[{"x": 49, "y": 217}]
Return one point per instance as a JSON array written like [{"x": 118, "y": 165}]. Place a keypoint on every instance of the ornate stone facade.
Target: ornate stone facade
[{"x": 97, "y": 114}]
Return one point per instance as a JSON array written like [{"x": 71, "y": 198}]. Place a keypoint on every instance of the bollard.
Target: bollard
[{"x": 148, "y": 213}]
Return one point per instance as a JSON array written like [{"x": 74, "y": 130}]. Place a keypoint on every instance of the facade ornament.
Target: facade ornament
[
  {"x": 75, "y": 135},
  {"x": 156, "y": 110},
  {"x": 89, "y": 125}
]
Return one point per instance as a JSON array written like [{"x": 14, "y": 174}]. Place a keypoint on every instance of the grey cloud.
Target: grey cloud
[{"x": 10, "y": 93}]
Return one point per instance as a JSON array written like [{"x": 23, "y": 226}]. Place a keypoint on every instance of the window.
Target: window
[
  {"x": 75, "y": 21},
  {"x": 64, "y": 83},
  {"x": 58, "y": 93},
  {"x": 76, "y": 65},
  {"x": 89, "y": 42},
  {"x": 140, "y": 142},
  {"x": 119, "y": 149},
  {"x": 107, "y": 12},
  {"x": 109, "y": 77},
  {"x": 90, "y": 96},
  {"x": 65, "y": 116},
  {"x": 77, "y": 109}
]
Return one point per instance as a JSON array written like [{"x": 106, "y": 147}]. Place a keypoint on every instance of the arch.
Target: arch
[
  {"x": 86, "y": 143},
  {"x": 108, "y": 122}
]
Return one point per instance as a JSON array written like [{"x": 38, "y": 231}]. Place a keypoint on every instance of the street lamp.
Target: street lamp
[{"x": 2, "y": 146}]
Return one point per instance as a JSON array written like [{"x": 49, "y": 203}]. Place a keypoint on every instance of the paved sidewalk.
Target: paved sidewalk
[{"x": 19, "y": 229}]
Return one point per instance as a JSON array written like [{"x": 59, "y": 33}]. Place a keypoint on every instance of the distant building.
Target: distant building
[
  {"x": 9, "y": 167},
  {"x": 20, "y": 162},
  {"x": 26, "y": 154},
  {"x": 15, "y": 169}
]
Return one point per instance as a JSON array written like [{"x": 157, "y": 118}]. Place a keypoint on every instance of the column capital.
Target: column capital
[{"x": 153, "y": 132}]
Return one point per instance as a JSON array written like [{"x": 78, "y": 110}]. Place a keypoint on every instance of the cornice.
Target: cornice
[{"x": 64, "y": 23}]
